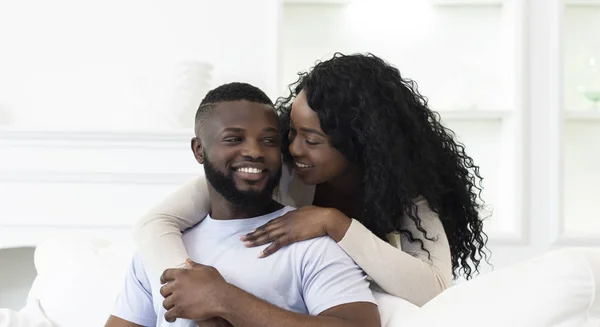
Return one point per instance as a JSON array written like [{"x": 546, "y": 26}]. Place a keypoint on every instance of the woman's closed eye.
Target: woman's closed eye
[{"x": 293, "y": 133}]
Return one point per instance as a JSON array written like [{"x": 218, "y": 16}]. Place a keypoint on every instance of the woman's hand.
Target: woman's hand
[{"x": 298, "y": 225}]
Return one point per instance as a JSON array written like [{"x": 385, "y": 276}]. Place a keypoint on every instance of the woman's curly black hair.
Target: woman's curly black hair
[{"x": 378, "y": 120}]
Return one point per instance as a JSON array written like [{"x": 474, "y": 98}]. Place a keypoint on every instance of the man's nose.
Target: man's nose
[{"x": 252, "y": 149}]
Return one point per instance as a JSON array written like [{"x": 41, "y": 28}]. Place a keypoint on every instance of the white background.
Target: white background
[{"x": 96, "y": 99}]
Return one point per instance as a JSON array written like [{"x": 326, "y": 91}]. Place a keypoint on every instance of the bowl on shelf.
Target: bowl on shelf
[{"x": 590, "y": 83}]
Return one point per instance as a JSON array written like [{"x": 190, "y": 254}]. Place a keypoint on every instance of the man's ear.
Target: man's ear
[{"x": 198, "y": 150}]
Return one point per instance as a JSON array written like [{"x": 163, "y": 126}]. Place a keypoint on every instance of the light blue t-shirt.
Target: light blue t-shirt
[{"x": 306, "y": 277}]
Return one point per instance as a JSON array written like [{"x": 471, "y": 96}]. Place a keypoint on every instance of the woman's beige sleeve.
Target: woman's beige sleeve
[
  {"x": 407, "y": 272},
  {"x": 158, "y": 233}
]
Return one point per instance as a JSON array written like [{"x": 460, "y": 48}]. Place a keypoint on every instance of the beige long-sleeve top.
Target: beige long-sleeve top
[{"x": 400, "y": 267}]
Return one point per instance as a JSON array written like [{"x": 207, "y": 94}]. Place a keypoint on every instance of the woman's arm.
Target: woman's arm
[
  {"x": 158, "y": 233},
  {"x": 408, "y": 272},
  {"x": 402, "y": 269}
]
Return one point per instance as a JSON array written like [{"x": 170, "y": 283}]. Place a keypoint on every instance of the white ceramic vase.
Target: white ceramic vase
[{"x": 189, "y": 82}]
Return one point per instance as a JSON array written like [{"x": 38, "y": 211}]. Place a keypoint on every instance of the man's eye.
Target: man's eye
[
  {"x": 232, "y": 139},
  {"x": 269, "y": 140}
]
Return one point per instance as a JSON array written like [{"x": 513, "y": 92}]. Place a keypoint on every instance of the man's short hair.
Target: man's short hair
[{"x": 235, "y": 91}]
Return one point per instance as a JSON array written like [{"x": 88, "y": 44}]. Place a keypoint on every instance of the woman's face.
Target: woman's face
[{"x": 316, "y": 161}]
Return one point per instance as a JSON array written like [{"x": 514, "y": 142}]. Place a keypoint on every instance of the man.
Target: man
[{"x": 310, "y": 283}]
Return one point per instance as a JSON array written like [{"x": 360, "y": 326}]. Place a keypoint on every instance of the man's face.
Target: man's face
[{"x": 240, "y": 151}]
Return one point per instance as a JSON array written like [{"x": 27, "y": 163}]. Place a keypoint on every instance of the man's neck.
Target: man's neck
[{"x": 222, "y": 209}]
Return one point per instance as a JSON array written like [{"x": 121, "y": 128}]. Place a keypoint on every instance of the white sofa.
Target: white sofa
[{"x": 78, "y": 279}]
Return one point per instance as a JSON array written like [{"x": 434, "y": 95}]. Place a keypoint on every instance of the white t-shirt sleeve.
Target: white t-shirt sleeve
[
  {"x": 134, "y": 302},
  {"x": 331, "y": 278}
]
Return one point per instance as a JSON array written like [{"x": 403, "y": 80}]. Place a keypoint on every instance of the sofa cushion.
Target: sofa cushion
[
  {"x": 78, "y": 280},
  {"x": 557, "y": 289}
]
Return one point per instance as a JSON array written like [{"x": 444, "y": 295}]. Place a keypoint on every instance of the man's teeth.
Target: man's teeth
[
  {"x": 301, "y": 165},
  {"x": 249, "y": 170}
]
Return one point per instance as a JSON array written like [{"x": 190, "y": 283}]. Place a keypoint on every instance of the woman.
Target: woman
[{"x": 373, "y": 169}]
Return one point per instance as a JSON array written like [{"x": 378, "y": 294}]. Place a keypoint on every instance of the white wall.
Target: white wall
[{"x": 125, "y": 64}]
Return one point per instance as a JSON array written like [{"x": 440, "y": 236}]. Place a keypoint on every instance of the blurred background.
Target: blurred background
[{"x": 97, "y": 100}]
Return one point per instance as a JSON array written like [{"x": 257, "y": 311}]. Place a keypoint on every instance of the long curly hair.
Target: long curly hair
[{"x": 378, "y": 120}]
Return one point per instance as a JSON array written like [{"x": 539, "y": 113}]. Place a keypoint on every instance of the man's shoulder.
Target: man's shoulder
[
  {"x": 137, "y": 261},
  {"x": 318, "y": 247},
  {"x": 320, "y": 242},
  {"x": 138, "y": 268}
]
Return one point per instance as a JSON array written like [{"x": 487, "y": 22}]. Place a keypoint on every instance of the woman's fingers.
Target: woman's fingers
[
  {"x": 276, "y": 245},
  {"x": 265, "y": 237},
  {"x": 261, "y": 231}
]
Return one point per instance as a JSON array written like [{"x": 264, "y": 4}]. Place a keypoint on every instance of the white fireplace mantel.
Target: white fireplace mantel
[{"x": 83, "y": 183}]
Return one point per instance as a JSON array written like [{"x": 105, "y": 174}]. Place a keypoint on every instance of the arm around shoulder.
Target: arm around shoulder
[
  {"x": 158, "y": 233},
  {"x": 404, "y": 269}
]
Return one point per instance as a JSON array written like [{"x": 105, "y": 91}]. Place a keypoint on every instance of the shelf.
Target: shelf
[
  {"x": 8, "y": 133},
  {"x": 467, "y": 3},
  {"x": 433, "y": 2},
  {"x": 582, "y": 2},
  {"x": 485, "y": 115},
  {"x": 580, "y": 175},
  {"x": 579, "y": 115},
  {"x": 495, "y": 3},
  {"x": 318, "y": 2}
]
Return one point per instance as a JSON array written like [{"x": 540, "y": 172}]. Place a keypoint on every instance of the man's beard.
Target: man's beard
[{"x": 225, "y": 185}]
